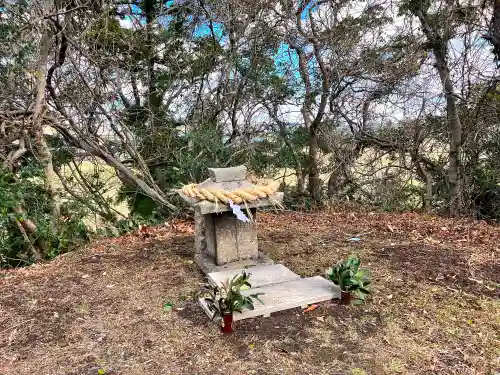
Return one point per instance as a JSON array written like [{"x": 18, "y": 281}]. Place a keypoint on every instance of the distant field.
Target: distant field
[{"x": 109, "y": 189}]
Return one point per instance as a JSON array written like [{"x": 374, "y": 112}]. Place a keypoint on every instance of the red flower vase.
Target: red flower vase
[
  {"x": 345, "y": 298},
  {"x": 227, "y": 323}
]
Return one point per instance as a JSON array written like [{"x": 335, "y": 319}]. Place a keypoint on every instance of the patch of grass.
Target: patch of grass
[
  {"x": 358, "y": 371},
  {"x": 396, "y": 366}
]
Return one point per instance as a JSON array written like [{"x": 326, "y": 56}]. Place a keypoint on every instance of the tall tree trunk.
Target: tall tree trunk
[
  {"x": 426, "y": 176},
  {"x": 301, "y": 187},
  {"x": 151, "y": 89},
  {"x": 35, "y": 252},
  {"x": 311, "y": 121},
  {"x": 455, "y": 130},
  {"x": 314, "y": 181},
  {"x": 333, "y": 185},
  {"x": 42, "y": 150},
  {"x": 439, "y": 44}
]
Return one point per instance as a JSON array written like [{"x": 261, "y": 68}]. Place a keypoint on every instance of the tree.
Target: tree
[{"x": 437, "y": 41}]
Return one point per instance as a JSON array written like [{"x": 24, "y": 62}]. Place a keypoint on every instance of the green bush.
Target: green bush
[{"x": 25, "y": 190}]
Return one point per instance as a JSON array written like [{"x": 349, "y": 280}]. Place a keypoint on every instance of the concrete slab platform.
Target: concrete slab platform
[
  {"x": 260, "y": 275},
  {"x": 208, "y": 265},
  {"x": 286, "y": 295}
]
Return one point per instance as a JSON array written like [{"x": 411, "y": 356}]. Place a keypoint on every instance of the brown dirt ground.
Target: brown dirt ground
[{"x": 435, "y": 307}]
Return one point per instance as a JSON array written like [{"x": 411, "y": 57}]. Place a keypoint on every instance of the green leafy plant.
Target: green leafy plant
[
  {"x": 350, "y": 278},
  {"x": 228, "y": 298},
  {"x": 168, "y": 306}
]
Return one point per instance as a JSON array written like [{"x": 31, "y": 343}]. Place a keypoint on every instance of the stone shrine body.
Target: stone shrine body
[{"x": 221, "y": 240}]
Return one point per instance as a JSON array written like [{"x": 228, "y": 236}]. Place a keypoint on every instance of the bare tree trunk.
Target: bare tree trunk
[
  {"x": 26, "y": 223},
  {"x": 493, "y": 35},
  {"x": 440, "y": 48},
  {"x": 427, "y": 200},
  {"x": 333, "y": 185},
  {"x": 455, "y": 129},
  {"x": 311, "y": 121},
  {"x": 314, "y": 180},
  {"x": 13, "y": 156},
  {"x": 299, "y": 173},
  {"x": 301, "y": 187},
  {"x": 455, "y": 152},
  {"x": 34, "y": 251},
  {"x": 42, "y": 150}
]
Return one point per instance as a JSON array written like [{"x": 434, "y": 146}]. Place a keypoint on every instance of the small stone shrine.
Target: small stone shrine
[
  {"x": 221, "y": 240},
  {"x": 226, "y": 243}
]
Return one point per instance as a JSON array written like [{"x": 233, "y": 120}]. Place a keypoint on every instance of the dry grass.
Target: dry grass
[{"x": 435, "y": 308}]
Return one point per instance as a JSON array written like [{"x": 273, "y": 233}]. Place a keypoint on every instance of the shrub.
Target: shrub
[{"x": 23, "y": 197}]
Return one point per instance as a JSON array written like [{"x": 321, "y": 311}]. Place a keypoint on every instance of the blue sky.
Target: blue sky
[{"x": 286, "y": 59}]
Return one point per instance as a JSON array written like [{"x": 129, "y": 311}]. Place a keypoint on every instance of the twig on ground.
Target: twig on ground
[{"x": 15, "y": 326}]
